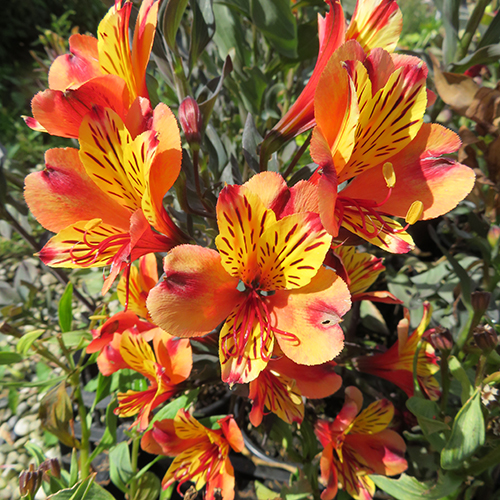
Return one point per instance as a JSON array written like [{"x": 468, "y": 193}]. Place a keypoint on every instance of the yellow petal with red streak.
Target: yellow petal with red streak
[
  {"x": 137, "y": 353},
  {"x": 242, "y": 220},
  {"x": 389, "y": 121},
  {"x": 376, "y": 23},
  {"x": 84, "y": 244},
  {"x": 242, "y": 360},
  {"x": 291, "y": 251},
  {"x": 373, "y": 419},
  {"x": 115, "y": 162}
]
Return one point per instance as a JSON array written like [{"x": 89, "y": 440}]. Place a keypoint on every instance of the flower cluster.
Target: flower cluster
[{"x": 282, "y": 272}]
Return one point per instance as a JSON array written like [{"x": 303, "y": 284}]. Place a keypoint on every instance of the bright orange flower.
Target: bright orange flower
[
  {"x": 103, "y": 199},
  {"x": 375, "y": 23},
  {"x": 106, "y": 339},
  {"x": 135, "y": 284},
  {"x": 396, "y": 364},
  {"x": 201, "y": 454},
  {"x": 98, "y": 72},
  {"x": 376, "y": 155},
  {"x": 358, "y": 445},
  {"x": 168, "y": 366},
  {"x": 280, "y": 388},
  {"x": 266, "y": 281},
  {"x": 359, "y": 270}
]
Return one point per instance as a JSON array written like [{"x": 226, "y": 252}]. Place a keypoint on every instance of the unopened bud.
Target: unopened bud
[
  {"x": 191, "y": 121},
  {"x": 480, "y": 301},
  {"x": 51, "y": 465},
  {"x": 486, "y": 338},
  {"x": 493, "y": 236},
  {"x": 30, "y": 481},
  {"x": 440, "y": 338}
]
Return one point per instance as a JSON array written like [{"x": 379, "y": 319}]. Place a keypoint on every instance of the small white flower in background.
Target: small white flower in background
[{"x": 488, "y": 394}]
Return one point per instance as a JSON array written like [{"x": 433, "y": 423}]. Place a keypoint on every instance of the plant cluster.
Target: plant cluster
[{"x": 261, "y": 340}]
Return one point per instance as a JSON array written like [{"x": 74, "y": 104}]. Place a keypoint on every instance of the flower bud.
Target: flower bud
[
  {"x": 440, "y": 338},
  {"x": 30, "y": 481},
  {"x": 191, "y": 121},
  {"x": 480, "y": 301},
  {"x": 486, "y": 338},
  {"x": 51, "y": 465}
]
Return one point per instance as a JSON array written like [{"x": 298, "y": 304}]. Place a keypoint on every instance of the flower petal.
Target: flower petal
[
  {"x": 175, "y": 356},
  {"x": 242, "y": 361},
  {"x": 77, "y": 67},
  {"x": 242, "y": 220},
  {"x": 373, "y": 419},
  {"x": 389, "y": 121},
  {"x": 84, "y": 244},
  {"x": 291, "y": 251},
  {"x": 376, "y": 23},
  {"x": 114, "y": 161},
  {"x": 63, "y": 194},
  {"x": 137, "y": 353},
  {"x": 310, "y": 315},
  {"x": 61, "y": 113},
  {"x": 144, "y": 34},
  {"x": 420, "y": 175},
  {"x": 195, "y": 295}
]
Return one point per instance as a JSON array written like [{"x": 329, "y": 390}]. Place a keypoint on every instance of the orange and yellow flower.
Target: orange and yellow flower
[
  {"x": 358, "y": 444},
  {"x": 376, "y": 156},
  {"x": 104, "y": 199},
  {"x": 201, "y": 454},
  {"x": 375, "y": 23},
  {"x": 106, "y": 72},
  {"x": 280, "y": 388},
  {"x": 267, "y": 282},
  {"x": 165, "y": 368},
  {"x": 396, "y": 364},
  {"x": 359, "y": 270}
]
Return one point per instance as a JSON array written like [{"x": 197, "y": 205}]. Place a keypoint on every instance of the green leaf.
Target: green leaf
[
  {"x": 170, "y": 410},
  {"x": 148, "y": 487},
  {"x": 277, "y": 22},
  {"x": 73, "y": 470},
  {"x": 459, "y": 373},
  {"x": 103, "y": 389},
  {"x": 26, "y": 341},
  {"x": 250, "y": 140},
  {"x": 264, "y": 493},
  {"x": 172, "y": 16},
  {"x": 485, "y": 55},
  {"x": 65, "y": 309},
  {"x": 451, "y": 25},
  {"x": 109, "y": 436},
  {"x": 9, "y": 358},
  {"x": 429, "y": 420},
  {"x": 492, "y": 34},
  {"x": 120, "y": 468},
  {"x": 13, "y": 400},
  {"x": 467, "y": 434},
  {"x": 84, "y": 490},
  {"x": 409, "y": 488},
  {"x": 203, "y": 29},
  {"x": 35, "y": 451}
]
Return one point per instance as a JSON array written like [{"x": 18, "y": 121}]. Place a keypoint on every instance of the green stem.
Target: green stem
[
  {"x": 445, "y": 383},
  {"x": 480, "y": 370},
  {"x": 297, "y": 156},
  {"x": 85, "y": 441},
  {"x": 134, "y": 459},
  {"x": 470, "y": 29}
]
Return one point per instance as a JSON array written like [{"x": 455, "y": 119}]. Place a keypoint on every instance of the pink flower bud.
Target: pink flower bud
[
  {"x": 191, "y": 121},
  {"x": 486, "y": 338},
  {"x": 440, "y": 338}
]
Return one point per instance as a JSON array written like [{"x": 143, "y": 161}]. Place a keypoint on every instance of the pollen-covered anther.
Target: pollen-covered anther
[
  {"x": 389, "y": 174},
  {"x": 414, "y": 212}
]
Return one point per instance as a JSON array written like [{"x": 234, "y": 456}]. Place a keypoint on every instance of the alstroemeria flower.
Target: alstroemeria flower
[
  {"x": 165, "y": 368},
  {"x": 201, "y": 454},
  {"x": 104, "y": 199},
  {"x": 266, "y": 281},
  {"x": 98, "y": 72},
  {"x": 359, "y": 270},
  {"x": 375, "y": 23},
  {"x": 376, "y": 155},
  {"x": 280, "y": 388},
  {"x": 358, "y": 445},
  {"x": 396, "y": 364},
  {"x": 106, "y": 339},
  {"x": 135, "y": 284}
]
